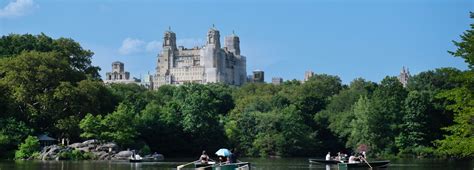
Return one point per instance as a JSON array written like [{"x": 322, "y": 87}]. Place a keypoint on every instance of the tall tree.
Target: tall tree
[{"x": 460, "y": 140}]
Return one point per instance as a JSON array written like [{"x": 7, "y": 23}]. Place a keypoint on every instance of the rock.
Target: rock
[
  {"x": 51, "y": 152},
  {"x": 105, "y": 147},
  {"x": 84, "y": 149},
  {"x": 92, "y": 141},
  {"x": 76, "y": 145},
  {"x": 123, "y": 155}
]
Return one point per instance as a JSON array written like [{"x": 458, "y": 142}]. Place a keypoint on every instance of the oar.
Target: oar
[
  {"x": 181, "y": 166},
  {"x": 366, "y": 161}
]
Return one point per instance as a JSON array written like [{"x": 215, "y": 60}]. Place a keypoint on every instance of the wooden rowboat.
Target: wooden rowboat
[
  {"x": 224, "y": 166},
  {"x": 373, "y": 164},
  {"x": 323, "y": 161}
]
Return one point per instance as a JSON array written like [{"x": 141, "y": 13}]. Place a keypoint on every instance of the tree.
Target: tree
[
  {"x": 11, "y": 133},
  {"x": 414, "y": 130},
  {"x": 91, "y": 126},
  {"x": 78, "y": 58},
  {"x": 459, "y": 142},
  {"x": 362, "y": 124},
  {"x": 28, "y": 148}
]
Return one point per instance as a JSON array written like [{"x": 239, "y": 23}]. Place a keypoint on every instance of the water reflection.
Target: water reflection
[{"x": 257, "y": 164}]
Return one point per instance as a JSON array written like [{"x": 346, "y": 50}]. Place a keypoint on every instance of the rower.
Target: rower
[
  {"x": 328, "y": 156},
  {"x": 204, "y": 158}
]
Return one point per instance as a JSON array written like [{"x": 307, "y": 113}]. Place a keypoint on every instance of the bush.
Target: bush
[
  {"x": 28, "y": 148},
  {"x": 76, "y": 155},
  {"x": 145, "y": 150}
]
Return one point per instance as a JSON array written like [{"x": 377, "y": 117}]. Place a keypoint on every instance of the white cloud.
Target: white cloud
[
  {"x": 17, "y": 8},
  {"x": 153, "y": 46},
  {"x": 131, "y": 45}
]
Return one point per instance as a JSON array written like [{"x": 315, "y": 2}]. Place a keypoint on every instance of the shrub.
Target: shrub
[{"x": 28, "y": 148}]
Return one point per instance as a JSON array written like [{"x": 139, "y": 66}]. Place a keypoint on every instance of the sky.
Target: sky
[{"x": 351, "y": 39}]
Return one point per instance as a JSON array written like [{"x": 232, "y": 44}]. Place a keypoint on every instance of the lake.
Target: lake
[{"x": 257, "y": 163}]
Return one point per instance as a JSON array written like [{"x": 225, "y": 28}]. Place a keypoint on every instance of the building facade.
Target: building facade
[
  {"x": 307, "y": 75},
  {"x": 207, "y": 64},
  {"x": 277, "y": 80},
  {"x": 404, "y": 76},
  {"x": 258, "y": 76},
  {"x": 119, "y": 75}
]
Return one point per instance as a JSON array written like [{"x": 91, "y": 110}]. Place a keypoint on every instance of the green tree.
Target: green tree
[
  {"x": 414, "y": 130},
  {"x": 362, "y": 124},
  {"x": 459, "y": 142},
  {"x": 91, "y": 126},
  {"x": 78, "y": 58},
  {"x": 28, "y": 148},
  {"x": 11, "y": 133}
]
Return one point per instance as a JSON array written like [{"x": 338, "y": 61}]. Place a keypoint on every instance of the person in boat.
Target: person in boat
[
  {"x": 222, "y": 159},
  {"x": 232, "y": 157},
  {"x": 339, "y": 156},
  {"x": 355, "y": 158},
  {"x": 328, "y": 156},
  {"x": 363, "y": 155},
  {"x": 204, "y": 158}
]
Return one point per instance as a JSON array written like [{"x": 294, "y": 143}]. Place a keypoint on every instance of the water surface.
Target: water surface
[{"x": 257, "y": 163}]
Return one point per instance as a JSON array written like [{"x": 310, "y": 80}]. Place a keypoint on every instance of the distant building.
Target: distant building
[
  {"x": 119, "y": 75},
  {"x": 308, "y": 74},
  {"x": 404, "y": 76},
  {"x": 258, "y": 76},
  {"x": 147, "y": 81},
  {"x": 277, "y": 80},
  {"x": 210, "y": 63}
]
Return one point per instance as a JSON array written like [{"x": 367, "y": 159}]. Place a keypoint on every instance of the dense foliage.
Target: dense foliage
[{"x": 49, "y": 86}]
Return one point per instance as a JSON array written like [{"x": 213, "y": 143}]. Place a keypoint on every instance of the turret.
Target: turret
[
  {"x": 213, "y": 38},
  {"x": 169, "y": 40},
  {"x": 232, "y": 43}
]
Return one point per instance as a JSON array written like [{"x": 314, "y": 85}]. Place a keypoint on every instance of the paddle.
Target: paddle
[
  {"x": 366, "y": 161},
  {"x": 181, "y": 166}
]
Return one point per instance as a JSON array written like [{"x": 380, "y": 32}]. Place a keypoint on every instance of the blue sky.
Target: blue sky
[{"x": 362, "y": 38}]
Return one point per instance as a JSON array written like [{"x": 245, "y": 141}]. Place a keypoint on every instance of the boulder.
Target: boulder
[
  {"x": 105, "y": 147},
  {"x": 91, "y": 141},
  {"x": 76, "y": 145},
  {"x": 123, "y": 155}
]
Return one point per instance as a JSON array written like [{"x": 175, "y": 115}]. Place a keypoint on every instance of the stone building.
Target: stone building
[
  {"x": 118, "y": 74},
  {"x": 307, "y": 75},
  {"x": 258, "y": 76},
  {"x": 404, "y": 76},
  {"x": 277, "y": 80},
  {"x": 207, "y": 64},
  {"x": 147, "y": 81}
]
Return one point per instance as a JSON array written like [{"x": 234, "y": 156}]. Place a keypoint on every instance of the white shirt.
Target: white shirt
[{"x": 328, "y": 157}]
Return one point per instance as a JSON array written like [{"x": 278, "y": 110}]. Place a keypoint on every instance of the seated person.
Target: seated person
[{"x": 204, "y": 158}]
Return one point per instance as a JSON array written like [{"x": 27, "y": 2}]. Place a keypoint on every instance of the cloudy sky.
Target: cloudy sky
[{"x": 362, "y": 38}]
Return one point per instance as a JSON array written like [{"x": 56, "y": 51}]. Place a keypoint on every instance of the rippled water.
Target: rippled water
[{"x": 257, "y": 163}]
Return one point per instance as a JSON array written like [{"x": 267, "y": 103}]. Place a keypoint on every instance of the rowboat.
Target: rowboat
[
  {"x": 323, "y": 161},
  {"x": 217, "y": 166},
  {"x": 227, "y": 166},
  {"x": 371, "y": 164}
]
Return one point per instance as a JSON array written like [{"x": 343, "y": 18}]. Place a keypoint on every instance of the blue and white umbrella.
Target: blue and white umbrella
[{"x": 223, "y": 152}]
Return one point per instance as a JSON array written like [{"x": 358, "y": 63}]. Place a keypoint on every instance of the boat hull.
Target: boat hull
[
  {"x": 231, "y": 166},
  {"x": 323, "y": 161},
  {"x": 373, "y": 164}
]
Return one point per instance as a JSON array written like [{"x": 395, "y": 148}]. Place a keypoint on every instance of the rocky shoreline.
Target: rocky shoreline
[{"x": 92, "y": 149}]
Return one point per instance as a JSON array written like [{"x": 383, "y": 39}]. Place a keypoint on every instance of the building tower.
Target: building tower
[
  {"x": 169, "y": 46},
  {"x": 404, "y": 76},
  {"x": 258, "y": 76},
  {"x": 118, "y": 74},
  {"x": 213, "y": 38},
  {"x": 308, "y": 74},
  {"x": 232, "y": 43}
]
